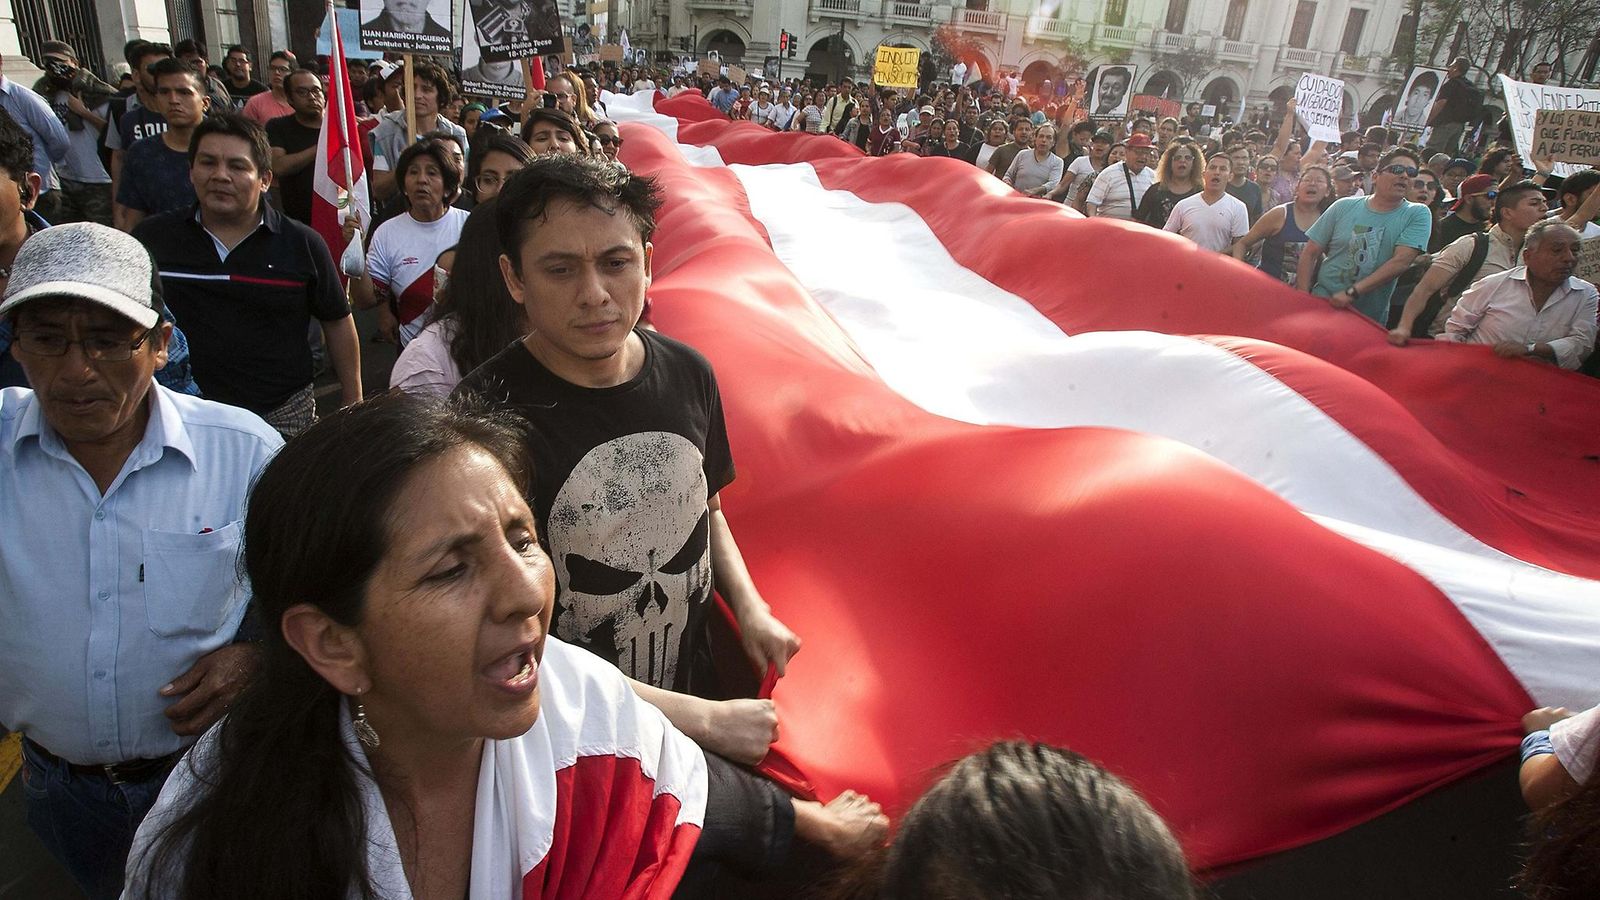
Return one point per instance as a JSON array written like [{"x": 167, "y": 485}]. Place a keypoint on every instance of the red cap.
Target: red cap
[
  {"x": 1477, "y": 184},
  {"x": 1140, "y": 140}
]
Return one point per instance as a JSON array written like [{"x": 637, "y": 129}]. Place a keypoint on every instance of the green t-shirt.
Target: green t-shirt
[{"x": 1357, "y": 241}]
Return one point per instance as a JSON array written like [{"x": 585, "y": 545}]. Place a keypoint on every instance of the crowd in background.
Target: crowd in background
[{"x": 168, "y": 306}]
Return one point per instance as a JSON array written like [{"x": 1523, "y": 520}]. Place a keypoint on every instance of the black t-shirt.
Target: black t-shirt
[
  {"x": 622, "y": 476},
  {"x": 1461, "y": 101},
  {"x": 294, "y": 191},
  {"x": 1156, "y": 206},
  {"x": 1249, "y": 194},
  {"x": 239, "y": 95},
  {"x": 1450, "y": 228}
]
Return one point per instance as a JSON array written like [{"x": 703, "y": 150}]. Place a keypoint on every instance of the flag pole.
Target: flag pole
[
  {"x": 411, "y": 100},
  {"x": 339, "y": 81}
]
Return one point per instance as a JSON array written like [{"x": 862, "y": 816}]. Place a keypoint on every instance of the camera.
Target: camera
[
  {"x": 549, "y": 101},
  {"x": 60, "y": 71}
]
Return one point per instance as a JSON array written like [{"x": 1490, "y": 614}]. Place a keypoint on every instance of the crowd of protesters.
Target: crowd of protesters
[{"x": 161, "y": 410}]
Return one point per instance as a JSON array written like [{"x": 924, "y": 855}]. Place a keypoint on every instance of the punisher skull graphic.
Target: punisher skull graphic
[{"x": 629, "y": 530}]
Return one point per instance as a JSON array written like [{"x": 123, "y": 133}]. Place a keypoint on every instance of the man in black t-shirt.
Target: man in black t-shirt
[
  {"x": 293, "y": 140},
  {"x": 629, "y": 446},
  {"x": 1456, "y": 104},
  {"x": 241, "y": 86},
  {"x": 629, "y": 454}
]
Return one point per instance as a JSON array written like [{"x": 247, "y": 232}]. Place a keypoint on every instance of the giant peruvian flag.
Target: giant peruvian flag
[
  {"x": 339, "y": 181},
  {"x": 1013, "y": 473}
]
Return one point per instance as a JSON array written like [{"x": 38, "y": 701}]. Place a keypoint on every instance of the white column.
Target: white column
[{"x": 14, "y": 66}]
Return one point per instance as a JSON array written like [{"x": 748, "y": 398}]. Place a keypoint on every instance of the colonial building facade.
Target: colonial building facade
[{"x": 1215, "y": 51}]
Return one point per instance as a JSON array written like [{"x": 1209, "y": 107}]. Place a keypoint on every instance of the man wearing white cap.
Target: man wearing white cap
[{"x": 118, "y": 581}]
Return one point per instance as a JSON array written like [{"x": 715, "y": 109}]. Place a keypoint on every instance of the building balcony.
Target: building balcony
[
  {"x": 1234, "y": 51},
  {"x": 986, "y": 20},
  {"x": 1171, "y": 42},
  {"x": 729, "y": 7},
  {"x": 1116, "y": 35},
  {"x": 907, "y": 12},
  {"x": 1295, "y": 58},
  {"x": 1043, "y": 28},
  {"x": 850, "y": 10}
]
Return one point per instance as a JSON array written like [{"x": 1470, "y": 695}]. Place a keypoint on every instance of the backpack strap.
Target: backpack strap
[{"x": 1457, "y": 286}]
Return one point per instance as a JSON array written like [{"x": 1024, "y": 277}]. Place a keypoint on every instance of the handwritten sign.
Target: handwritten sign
[
  {"x": 1523, "y": 102},
  {"x": 737, "y": 75},
  {"x": 610, "y": 53},
  {"x": 896, "y": 67},
  {"x": 1588, "y": 267},
  {"x": 1570, "y": 136},
  {"x": 709, "y": 67},
  {"x": 1207, "y": 111},
  {"x": 1319, "y": 101}
]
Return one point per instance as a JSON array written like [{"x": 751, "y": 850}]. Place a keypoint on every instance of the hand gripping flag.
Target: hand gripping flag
[
  {"x": 339, "y": 181},
  {"x": 1010, "y": 472}
]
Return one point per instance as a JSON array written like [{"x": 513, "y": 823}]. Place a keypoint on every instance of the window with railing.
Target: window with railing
[
  {"x": 1305, "y": 14},
  {"x": 1233, "y": 26},
  {"x": 1404, "y": 37},
  {"x": 1177, "y": 15},
  {"x": 1353, "y": 27},
  {"x": 1116, "y": 12}
]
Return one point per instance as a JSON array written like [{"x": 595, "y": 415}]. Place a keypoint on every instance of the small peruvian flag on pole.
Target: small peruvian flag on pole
[{"x": 339, "y": 184}]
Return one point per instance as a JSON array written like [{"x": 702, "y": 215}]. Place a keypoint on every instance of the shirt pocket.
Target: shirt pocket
[{"x": 191, "y": 581}]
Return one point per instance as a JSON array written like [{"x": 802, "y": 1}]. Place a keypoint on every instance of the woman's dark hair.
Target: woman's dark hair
[
  {"x": 484, "y": 317},
  {"x": 16, "y": 149},
  {"x": 490, "y": 139},
  {"x": 449, "y": 171},
  {"x": 282, "y": 814},
  {"x": 1564, "y": 861},
  {"x": 557, "y": 118},
  {"x": 1493, "y": 158},
  {"x": 1027, "y": 821},
  {"x": 578, "y": 179}
]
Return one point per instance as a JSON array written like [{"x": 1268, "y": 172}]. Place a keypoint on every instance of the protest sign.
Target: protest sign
[
  {"x": 896, "y": 67},
  {"x": 1160, "y": 107},
  {"x": 736, "y": 75},
  {"x": 1422, "y": 86},
  {"x": 709, "y": 67},
  {"x": 349, "y": 33},
  {"x": 1208, "y": 110},
  {"x": 610, "y": 52},
  {"x": 1569, "y": 136},
  {"x": 1318, "y": 102},
  {"x": 489, "y": 66},
  {"x": 1523, "y": 102},
  {"x": 1588, "y": 267},
  {"x": 399, "y": 27}
]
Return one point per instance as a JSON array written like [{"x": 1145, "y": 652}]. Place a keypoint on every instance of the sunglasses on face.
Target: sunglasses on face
[
  {"x": 608, "y": 140},
  {"x": 1407, "y": 171}
]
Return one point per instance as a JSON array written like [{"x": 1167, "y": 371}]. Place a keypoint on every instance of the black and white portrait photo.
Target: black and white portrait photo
[
  {"x": 407, "y": 26},
  {"x": 1421, "y": 89},
  {"x": 1113, "y": 90}
]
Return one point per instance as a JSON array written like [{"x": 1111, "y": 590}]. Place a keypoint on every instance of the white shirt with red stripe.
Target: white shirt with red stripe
[
  {"x": 601, "y": 798},
  {"x": 401, "y": 257}
]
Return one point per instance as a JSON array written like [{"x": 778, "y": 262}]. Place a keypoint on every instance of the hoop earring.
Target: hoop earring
[{"x": 365, "y": 733}]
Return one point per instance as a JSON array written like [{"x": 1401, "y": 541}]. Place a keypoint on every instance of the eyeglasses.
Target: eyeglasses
[
  {"x": 307, "y": 92},
  {"x": 608, "y": 140},
  {"x": 279, "y": 70},
  {"x": 1487, "y": 195},
  {"x": 99, "y": 349},
  {"x": 1407, "y": 171}
]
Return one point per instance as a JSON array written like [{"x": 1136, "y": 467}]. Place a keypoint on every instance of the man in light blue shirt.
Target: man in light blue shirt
[
  {"x": 1360, "y": 245},
  {"x": 49, "y": 136},
  {"x": 119, "y": 585}
]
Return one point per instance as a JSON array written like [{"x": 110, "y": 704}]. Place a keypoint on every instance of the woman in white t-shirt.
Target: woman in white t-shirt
[
  {"x": 401, "y": 256},
  {"x": 993, "y": 139},
  {"x": 474, "y": 318}
]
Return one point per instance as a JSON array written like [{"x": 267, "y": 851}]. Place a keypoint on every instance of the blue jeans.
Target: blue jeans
[{"x": 86, "y": 821}]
